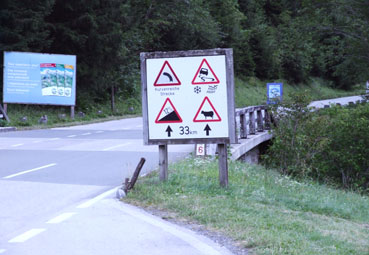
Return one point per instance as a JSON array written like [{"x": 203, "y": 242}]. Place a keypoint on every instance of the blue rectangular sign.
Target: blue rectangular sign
[
  {"x": 39, "y": 78},
  {"x": 274, "y": 92}
]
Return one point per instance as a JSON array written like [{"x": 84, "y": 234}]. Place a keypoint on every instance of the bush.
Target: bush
[
  {"x": 330, "y": 145},
  {"x": 346, "y": 158},
  {"x": 3, "y": 123}
]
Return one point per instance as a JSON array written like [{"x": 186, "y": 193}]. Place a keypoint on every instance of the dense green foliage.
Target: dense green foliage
[
  {"x": 331, "y": 145},
  {"x": 279, "y": 39}
]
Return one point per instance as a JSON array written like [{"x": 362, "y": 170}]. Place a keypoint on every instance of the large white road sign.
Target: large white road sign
[{"x": 188, "y": 96}]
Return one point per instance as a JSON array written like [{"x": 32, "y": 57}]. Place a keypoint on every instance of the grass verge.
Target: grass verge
[
  {"x": 27, "y": 116},
  {"x": 252, "y": 91},
  {"x": 261, "y": 210}
]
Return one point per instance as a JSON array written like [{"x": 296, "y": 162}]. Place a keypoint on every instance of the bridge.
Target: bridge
[{"x": 253, "y": 127}]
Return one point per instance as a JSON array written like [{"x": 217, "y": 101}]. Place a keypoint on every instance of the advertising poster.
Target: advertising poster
[
  {"x": 37, "y": 78},
  {"x": 274, "y": 92}
]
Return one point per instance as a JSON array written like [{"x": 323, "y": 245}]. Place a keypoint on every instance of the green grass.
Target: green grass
[
  {"x": 93, "y": 113},
  {"x": 261, "y": 210},
  {"x": 253, "y": 91}
]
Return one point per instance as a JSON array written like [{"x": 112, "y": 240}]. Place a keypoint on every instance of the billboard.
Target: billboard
[{"x": 39, "y": 78}]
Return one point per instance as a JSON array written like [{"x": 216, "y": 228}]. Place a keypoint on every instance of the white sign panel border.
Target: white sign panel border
[{"x": 221, "y": 131}]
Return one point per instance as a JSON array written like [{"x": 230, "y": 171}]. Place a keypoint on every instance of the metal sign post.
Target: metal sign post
[{"x": 188, "y": 98}]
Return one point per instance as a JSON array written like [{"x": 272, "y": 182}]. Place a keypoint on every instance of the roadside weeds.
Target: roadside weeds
[{"x": 261, "y": 211}]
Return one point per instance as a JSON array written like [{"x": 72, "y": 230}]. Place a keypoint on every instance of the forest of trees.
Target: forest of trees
[{"x": 271, "y": 39}]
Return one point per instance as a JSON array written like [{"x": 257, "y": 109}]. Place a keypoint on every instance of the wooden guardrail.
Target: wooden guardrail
[{"x": 252, "y": 119}]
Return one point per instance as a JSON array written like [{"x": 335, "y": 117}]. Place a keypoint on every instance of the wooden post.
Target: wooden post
[
  {"x": 163, "y": 162},
  {"x": 113, "y": 99},
  {"x": 243, "y": 128},
  {"x": 6, "y": 109},
  {"x": 223, "y": 165},
  {"x": 72, "y": 112},
  {"x": 252, "y": 122},
  {"x": 260, "y": 120},
  {"x": 267, "y": 119},
  {"x": 130, "y": 184}
]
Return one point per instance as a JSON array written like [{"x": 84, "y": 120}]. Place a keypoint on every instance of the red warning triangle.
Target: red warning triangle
[
  {"x": 168, "y": 113},
  {"x": 166, "y": 76},
  {"x": 206, "y": 112},
  {"x": 205, "y": 74}
]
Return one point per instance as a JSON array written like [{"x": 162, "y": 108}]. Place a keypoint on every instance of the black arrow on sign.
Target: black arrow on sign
[
  {"x": 169, "y": 130},
  {"x": 207, "y": 129}
]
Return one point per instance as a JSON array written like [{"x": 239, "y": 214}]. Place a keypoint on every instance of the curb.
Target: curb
[{"x": 7, "y": 129}]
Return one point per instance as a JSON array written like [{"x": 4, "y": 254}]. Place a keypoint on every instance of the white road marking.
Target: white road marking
[
  {"x": 87, "y": 133},
  {"x": 28, "y": 171},
  {"x": 98, "y": 198},
  {"x": 27, "y": 235},
  {"x": 17, "y": 145},
  {"x": 191, "y": 239},
  {"x": 2, "y": 251},
  {"x": 116, "y": 146},
  {"x": 70, "y": 136},
  {"x": 99, "y": 132},
  {"x": 61, "y": 218},
  {"x": 54, "y": 139},
  {"x": 37, "y": 141}
]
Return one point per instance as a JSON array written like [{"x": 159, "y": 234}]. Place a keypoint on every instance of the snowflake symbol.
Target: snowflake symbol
[{"x": 197, "y": 89}]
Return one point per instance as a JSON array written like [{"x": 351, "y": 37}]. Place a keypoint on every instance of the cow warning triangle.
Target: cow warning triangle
[
  {"x": 168, "y": 113},
  {"x": 205, "y": 74},
  {"x": 166, "y": 76},
  {"x": 207, "y": 112}
]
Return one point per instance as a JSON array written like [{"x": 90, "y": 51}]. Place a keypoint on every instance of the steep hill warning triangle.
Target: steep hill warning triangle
[
  {"x": 205, "y": 74},
  {"x": 166, "y": 76},
  {"x": 207, "y": 112},
  {"x": 168, "y": 113}
]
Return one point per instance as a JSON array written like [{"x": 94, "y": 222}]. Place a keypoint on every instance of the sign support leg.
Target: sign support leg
[
  {"x": 72, "y": 112},
  {"x": 163, "y": 162},
  {"x": 223, "y": 165},
  {"x": 4, "y": 111}
]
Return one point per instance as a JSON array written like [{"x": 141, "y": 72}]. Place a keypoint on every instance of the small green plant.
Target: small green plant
[
  {"x": 3, "y": 123},
  {"x": 289, "y": 152}
]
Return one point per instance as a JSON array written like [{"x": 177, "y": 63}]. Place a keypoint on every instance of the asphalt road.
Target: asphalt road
[{"x": 53, "y": 183}]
